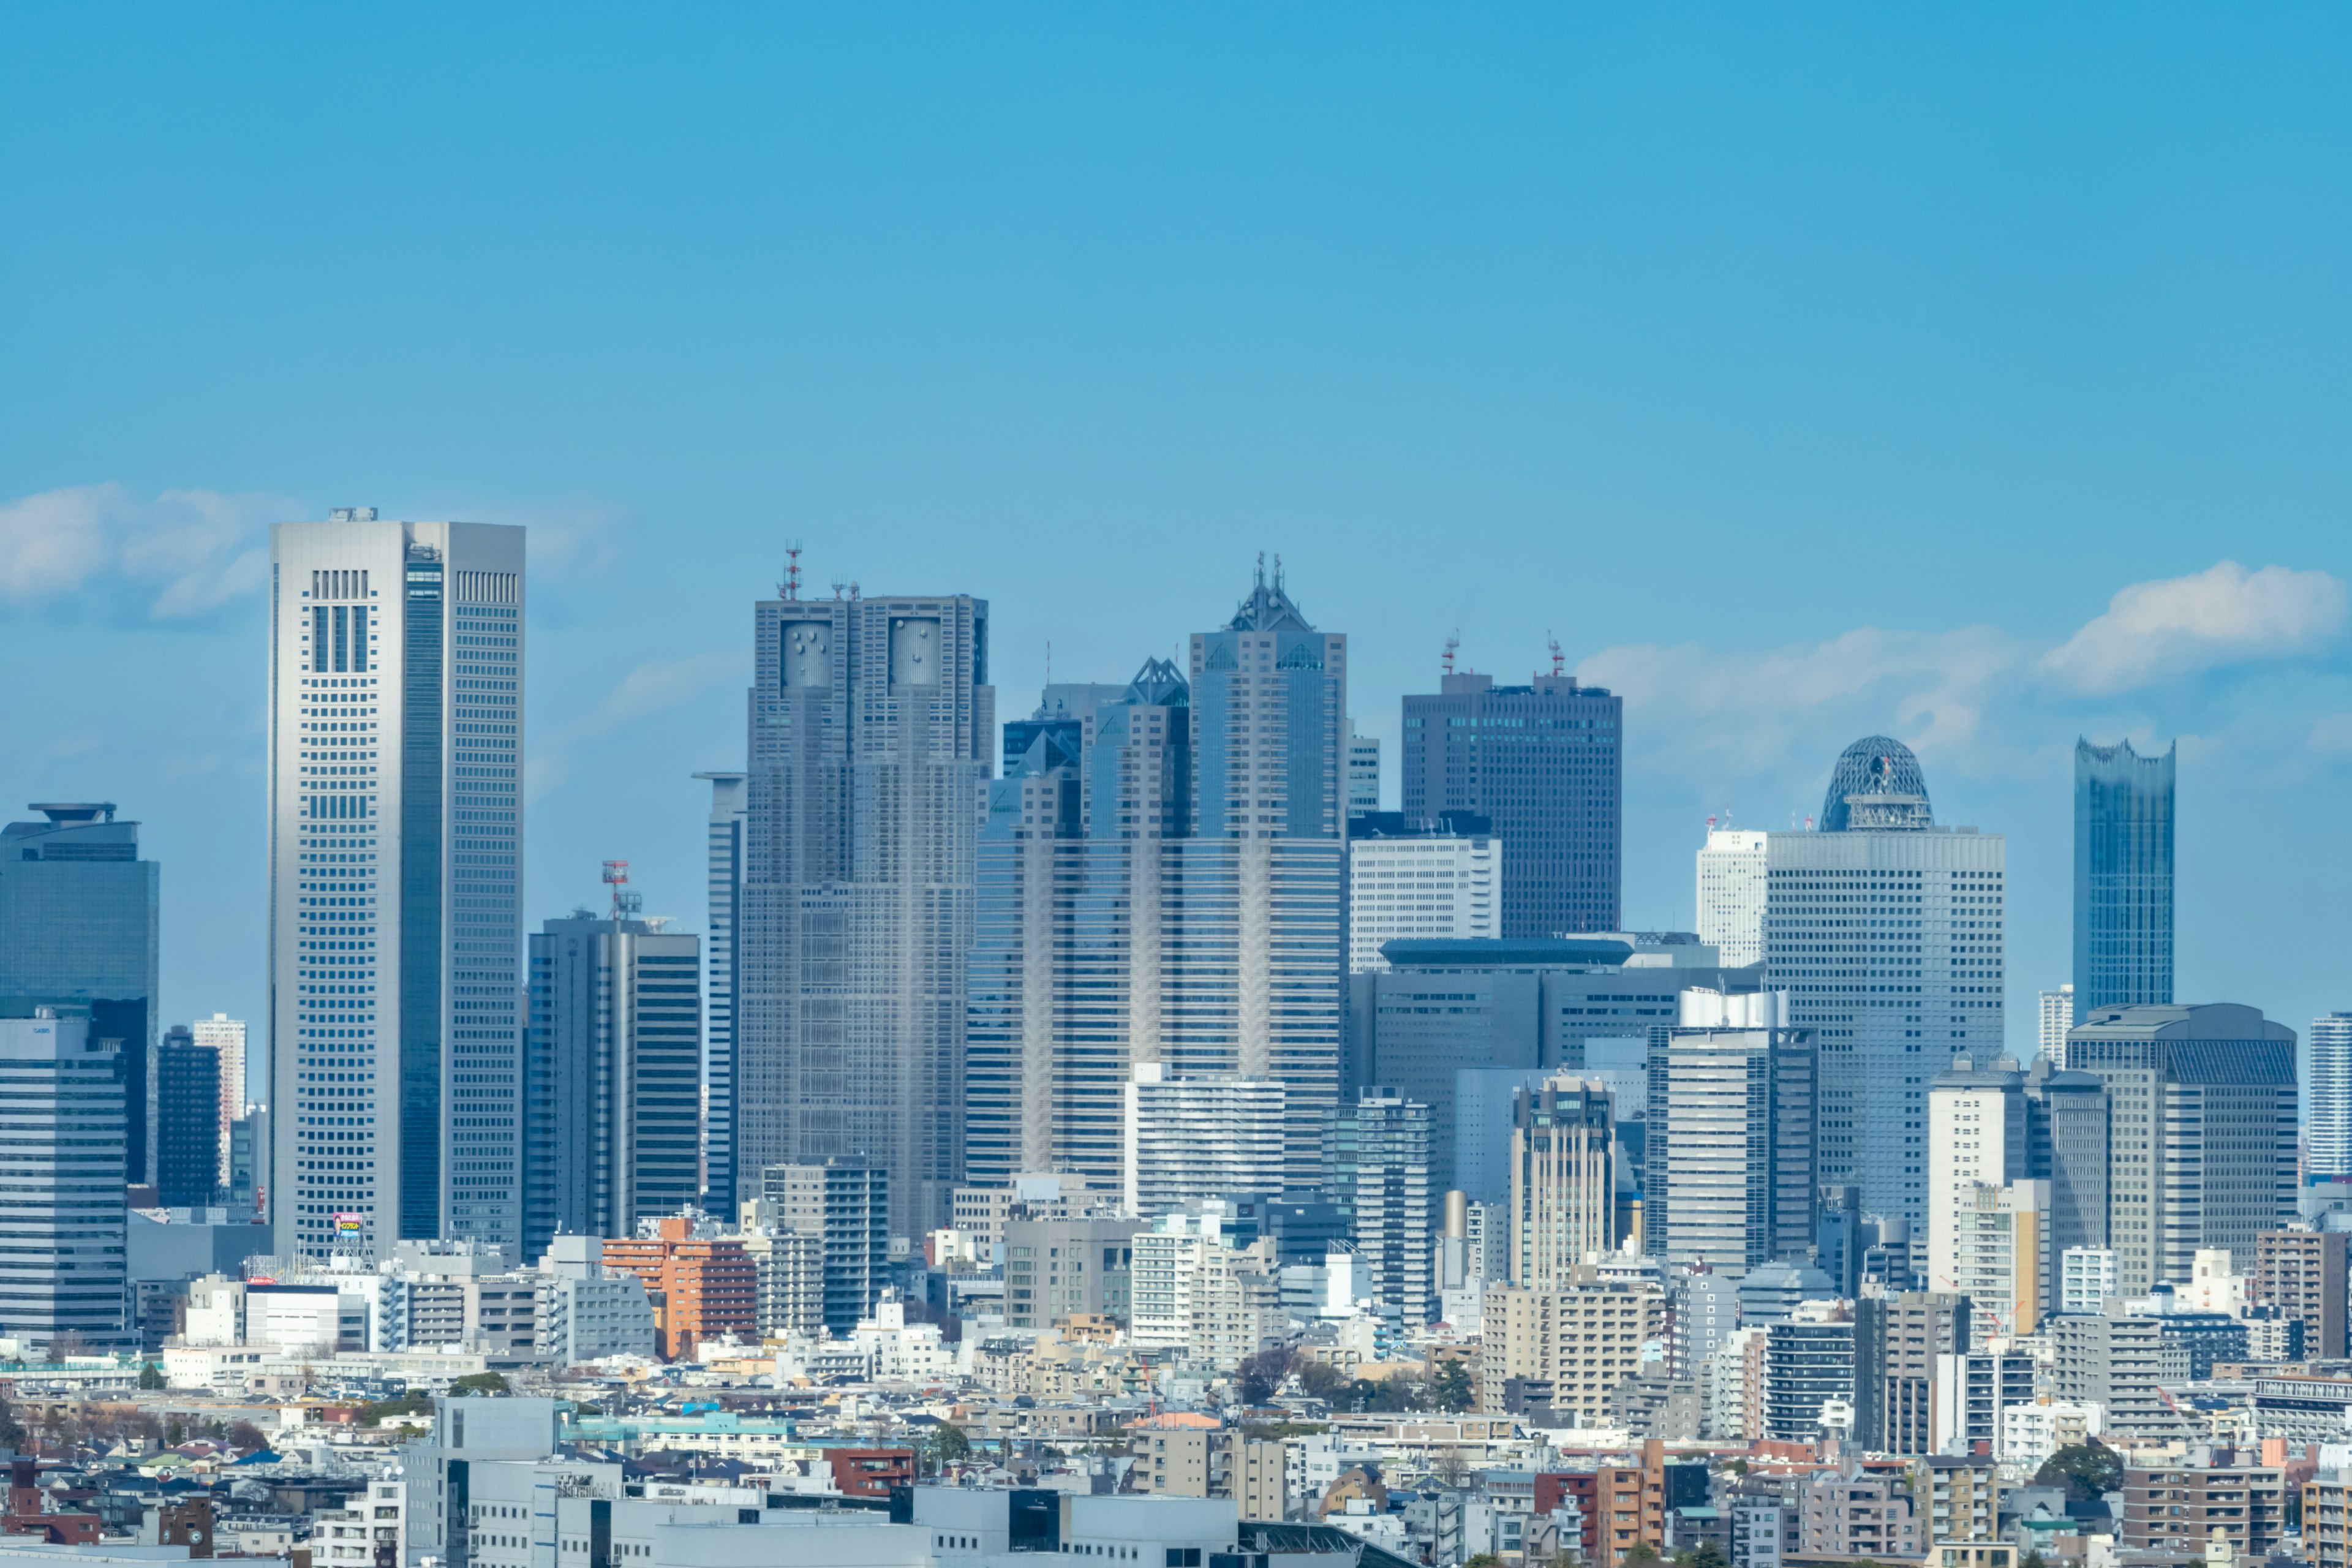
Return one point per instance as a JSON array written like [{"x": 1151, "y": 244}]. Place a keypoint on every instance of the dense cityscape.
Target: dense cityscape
[{"x": 1108, "y": 1131}]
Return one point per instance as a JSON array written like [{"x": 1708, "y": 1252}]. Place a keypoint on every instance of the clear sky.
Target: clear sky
[{"x": 1978, "y": 374}]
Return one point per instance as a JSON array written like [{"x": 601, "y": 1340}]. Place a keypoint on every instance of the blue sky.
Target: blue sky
[{"x": 1805, "y": 373}]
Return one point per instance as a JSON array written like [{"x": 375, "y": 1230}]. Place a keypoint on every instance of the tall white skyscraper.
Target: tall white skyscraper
[
  {"x": 2057, "y": 1018},
  {"x": 1447, "y": 882},
  {"x": 227, "y": 1036},
  {"x": 1885, "y": 931},
  {"x": 1731, "y": 879},
  {"x": 2330, "y": 1126},
  {"x": 395, "y": 738}
]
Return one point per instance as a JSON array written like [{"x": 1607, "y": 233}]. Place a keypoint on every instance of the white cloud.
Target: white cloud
[
  {"x": 665, "y": 683},
  {"x": 2226, "y": 615},
  {"x": 180, "y": 554}
]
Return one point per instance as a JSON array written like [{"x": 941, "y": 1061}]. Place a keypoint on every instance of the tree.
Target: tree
[
  {"x": 246, "y": 1437},
  {"x": 1321, "y": 1380},
  {"x": 1640, "y": 1552},
  {"x": 174, "y": 1434},
  {"x": 1707, "y": 1554},
  {"x": 1262, "y": 1375},
  {"x": 2087, "y": 1470},
  {"x": 480, "y": 1382},
  {"x": 1450, "y": 1389},
  {"x": 1484, "y": 1560},
  {"x": 2035, "y": 1560},
  {"x": 151, "y": 1375}
]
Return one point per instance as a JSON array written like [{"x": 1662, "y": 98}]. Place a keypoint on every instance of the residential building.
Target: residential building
[
  {"x": 612, "y": 1064},
  {"x": 2302, "y": 1274},
  {"x": 2123, "y": 877},
  {"x": 1444, "y": 1008},
  {"x": 1615, "y": 1507},
  {"x": 2086, "y": 1279},
  {"x": 2328, "y": 1518},
  {"x": 1364, "y": 774},
  {"x": 1194, "y": 1290},
  {"x": 62, "y": 1137},
  {"x": 226, "y": 1036},
  {"x": 1977, "y": 1135},
  {"x": 706, "y": 1283},
  {"x": 1870, "y": 1515},
  {"x": 1568, "y": 1347},
  {"x": 1972, "y": 1388},
  {"x": 1885, "y": 930},
  {"x": 1898, "y": 1340},
  {"x": 1199, "y": 1462},
  {"x": 1055, "y": 1270},
  {"x": 2329, "y": 1129},
  {"x": 395, "y": 742},
  {"x": 1732, "y": 883},
  {"x": 2203, "y": 1129},
  {"x": 187, "y": 1121},
  {"x": 2179, "y": 1508},
  {"x": 1809, "y": 1375},
  {"x": 1729, "y": 1175},
  {"x": 2001, "y": 1259},
  {"x": 2114, "y": 1361},
  {"x": 1563, "y": 1180},
  {"x": 77, "y": 933},
  {"x": 585, "y": 1311},
  {"x": 2056, "y": 1016},
  {"x": 789, "y": 1267},
  {"x": 1194, "y": 1138},
  {"x": 1410, "y": 879},
  {"x": 1380, "y": 1165},
  {"x": 1545, "y": 760},
  {"x": 1963, "y": 1492},
  {"x": 872, "y": 730},
  {"x": 729, "y": 798},
  {"x": 2032, "y": 1431},
  {"x": 847, "y": 1205}
]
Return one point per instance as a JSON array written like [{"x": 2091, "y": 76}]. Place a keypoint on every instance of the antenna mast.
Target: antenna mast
[
  {"x": 616, "y": 875},
  {"x": 791, "y": 586},
  {"x": 1446, "y": 659}
]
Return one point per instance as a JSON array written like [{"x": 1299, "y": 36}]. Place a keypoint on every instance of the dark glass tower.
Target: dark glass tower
[
  {"x": 2123, "y": 877},
  {"x": 1544, "y": 762},
  {"x": 187, "y": 1121}
]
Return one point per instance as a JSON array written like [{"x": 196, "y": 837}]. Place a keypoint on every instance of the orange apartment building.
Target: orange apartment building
[{"x": 701, "y": 1288}]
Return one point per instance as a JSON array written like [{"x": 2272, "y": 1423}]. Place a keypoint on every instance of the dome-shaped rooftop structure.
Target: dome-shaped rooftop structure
[{"x": 1877, "y": 765}]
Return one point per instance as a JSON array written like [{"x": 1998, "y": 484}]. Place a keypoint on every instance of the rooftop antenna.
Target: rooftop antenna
[
  {"x": 837, "y": 586},
  {"x": 1049, "y": 661},
  {"x": 791, "y": 587},
  {"x": 616, "y": 877},
  {"x": 1559, "y": 664},
  {"x": 1261, "y": 568},
  {"x": 1278, "y": 571},
  {"x": 853, "y": 590},
  {"x": 1446, "y": 659}
]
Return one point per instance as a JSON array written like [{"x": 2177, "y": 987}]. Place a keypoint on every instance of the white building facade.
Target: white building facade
[
  {"x": 1190, "y": 1138},
  {"x": 2329, "y": 1127},
  {"x": 2057, "y": 1018},
  {"x": 1731, "y": 893},
  {"x": 227, "y": 1036},
  {"x": 395, "y": 720},
  {"x": 1421, "y": 884}
]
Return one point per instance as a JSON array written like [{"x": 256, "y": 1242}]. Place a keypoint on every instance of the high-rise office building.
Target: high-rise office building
[
  {"x": 1563, "y": 1180},
  {"x": 1731, "y": 893},
  {"x": 1381, "y": 1164},
  {"x": 872, "y": 733},
  {"x": 1885, "y": 930},
  {"x": 2057, "y": 1018},
  {"x": 78, "y": 932},
  {"x": 1544, "y": 762},
  {"x": 1169, "y": 894},
  {"x": 2066, "y": 1146},
  {"x": 847, "y": 1205},
  {"x": 1411, "y": 879},
  {"x": 611, "y": 1063},
  {"x": 187, "y": 1121},
  {"x": 1730, "y": 1179},
  {"x": 227, "y": 1036},
  {"x": 1363, "y": 772},
  {"x": 62, "y": 1137},
  {"x": 395, "y": 737},
  {"x": 725, "y": 846},
  {"x": 2123, "y": 877},
  {"x": 2201, "y": 1119},
  {"x": 2331, "y": 1095}
]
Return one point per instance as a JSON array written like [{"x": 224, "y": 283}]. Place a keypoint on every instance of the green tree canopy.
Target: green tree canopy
[{"x": 2087, "y": 1470}]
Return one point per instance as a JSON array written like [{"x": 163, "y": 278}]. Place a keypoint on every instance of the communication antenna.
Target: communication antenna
[
  {"x": 1559, "y": 664},
  {"x": 1452, "y": 644},
  {"x": 616, "y": 877},
  {"x": 837, "y": 586},
  {"x": 791, "y": 586}
]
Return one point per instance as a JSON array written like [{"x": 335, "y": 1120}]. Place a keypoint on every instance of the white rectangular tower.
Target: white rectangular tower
[
  {"x": 1731, "y": 882},
  {"x": 395, "y": 739}
]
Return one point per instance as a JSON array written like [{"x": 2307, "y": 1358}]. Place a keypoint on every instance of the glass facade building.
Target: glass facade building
[
  {"x": 62, "y": 1136},
  {"x": 2123, "y": 877}
]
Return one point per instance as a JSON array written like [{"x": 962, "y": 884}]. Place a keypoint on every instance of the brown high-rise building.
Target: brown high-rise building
[
  {"x": 2302, "y": 1273},
  {"x": 708, "y": 1286}
]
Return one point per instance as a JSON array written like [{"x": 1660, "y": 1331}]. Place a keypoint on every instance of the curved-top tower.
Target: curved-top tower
[{"x": 1881, "y": 767}]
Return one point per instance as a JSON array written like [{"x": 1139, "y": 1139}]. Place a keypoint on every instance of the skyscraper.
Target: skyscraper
[
  {"x": 1729, "y": 1153},
  {"x": 725, "y": 843},
  {"x": 2201, "y": 1116},
  {"x": 2331, "y": 1095},
  {"x": 1731, "y": 893},
  {"x": 1380, "y": 1165},
  {"x": 1885, "y": 930},
  {"x": 1544, "y": 762},
  {"x": 187, "y": 1120},
  {"x": 1563, "y": 1180},
  {"x": 609, "y": 1089},
  {"x": 78, "y": 932},
  {"x": 872, "y": 731},
  {"x": 395, "y": 738},
  {"x": 2057, "y": 1018},
  {"x": 1363, "y": 772},
  {"x": 227, "y": 1036},
  {"x": 62, "y": 1135},
  {"x": 2123, "y": 877},
  {"x": 1419, "y": 879}
]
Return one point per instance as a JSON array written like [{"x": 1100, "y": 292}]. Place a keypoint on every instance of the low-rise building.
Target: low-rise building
[{"x": 2178, "y": 1508}]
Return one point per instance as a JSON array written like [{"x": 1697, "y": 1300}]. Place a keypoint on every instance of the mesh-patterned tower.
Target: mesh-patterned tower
[{"x": 2123, "y": 877}]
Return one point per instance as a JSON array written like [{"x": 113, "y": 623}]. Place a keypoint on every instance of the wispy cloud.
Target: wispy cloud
[
  {"x": 653, "y": 687},
  {"x": 2180, "y": 626},
  {"x": 177, "y": 556}
]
